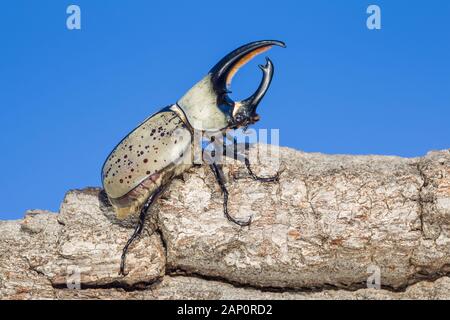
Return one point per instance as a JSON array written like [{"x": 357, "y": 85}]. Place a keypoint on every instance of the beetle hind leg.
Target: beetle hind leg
[
  {"x": 218, "y": 173},
  {"x": 136, "y": 233},
  {"x": 139, "y": 227}
]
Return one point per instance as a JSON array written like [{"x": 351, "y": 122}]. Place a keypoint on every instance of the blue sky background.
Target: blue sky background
[{"x": 67, "y": 97}]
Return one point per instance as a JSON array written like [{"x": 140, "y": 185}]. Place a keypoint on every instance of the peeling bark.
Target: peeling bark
[{"x": 314, "y": 235}]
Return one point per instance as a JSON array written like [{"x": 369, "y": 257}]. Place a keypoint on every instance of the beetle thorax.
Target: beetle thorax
[{"x": 201, "y": 107}]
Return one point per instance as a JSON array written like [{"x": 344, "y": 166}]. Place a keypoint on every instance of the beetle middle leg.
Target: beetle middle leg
[
  {"x": 218, "y": 173},
  {"x": 139, "y": 227}
]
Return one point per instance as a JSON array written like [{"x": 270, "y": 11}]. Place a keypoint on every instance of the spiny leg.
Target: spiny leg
[
  {"x": 274, "y": 178},
  {"x": 139, "y": 228},
  {"x": 218, "y": 173},
  {"x": 237, "y": 155}
]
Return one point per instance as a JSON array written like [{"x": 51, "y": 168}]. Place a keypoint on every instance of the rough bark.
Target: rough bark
[{"x": 318, "y": 233}]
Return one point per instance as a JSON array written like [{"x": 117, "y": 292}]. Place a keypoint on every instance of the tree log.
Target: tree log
[{"x": 327, "y": 226}]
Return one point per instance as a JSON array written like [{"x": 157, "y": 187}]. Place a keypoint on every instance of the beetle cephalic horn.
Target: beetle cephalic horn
[{"x": 247, "y": 107}]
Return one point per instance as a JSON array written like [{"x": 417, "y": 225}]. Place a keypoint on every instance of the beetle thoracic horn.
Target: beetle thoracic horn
[{"x": 222, "y": 73}]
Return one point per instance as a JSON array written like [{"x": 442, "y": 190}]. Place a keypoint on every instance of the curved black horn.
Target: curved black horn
[
  {"x": 224, "y": 70},
  {"x": 253, "y": 101}
]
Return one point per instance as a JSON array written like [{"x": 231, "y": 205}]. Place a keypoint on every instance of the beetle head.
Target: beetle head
[{"x": 207, "y": 105}]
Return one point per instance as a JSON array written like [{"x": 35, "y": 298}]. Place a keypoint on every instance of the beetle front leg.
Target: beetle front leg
[
  {"x": 274, "y": 178},
  {"x": 218, "y": 173},
  {"x": 240, "y": 156},
  {"x": 138, "y": 229}
]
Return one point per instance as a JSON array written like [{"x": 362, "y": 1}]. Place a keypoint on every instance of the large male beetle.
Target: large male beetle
[{"x": 159, "y": 149}]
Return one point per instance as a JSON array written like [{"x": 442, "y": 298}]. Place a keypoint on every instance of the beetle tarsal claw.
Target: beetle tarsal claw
[
  {"x": 248, "y": 222},
  {"x": 241, "y": 222}
]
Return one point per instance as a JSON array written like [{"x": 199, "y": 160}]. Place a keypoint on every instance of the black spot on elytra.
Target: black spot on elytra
[
  {"x": 146, "y": 160},
  {"x": 148, "y": 172},
  {"x": 121, "y": 180}
]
